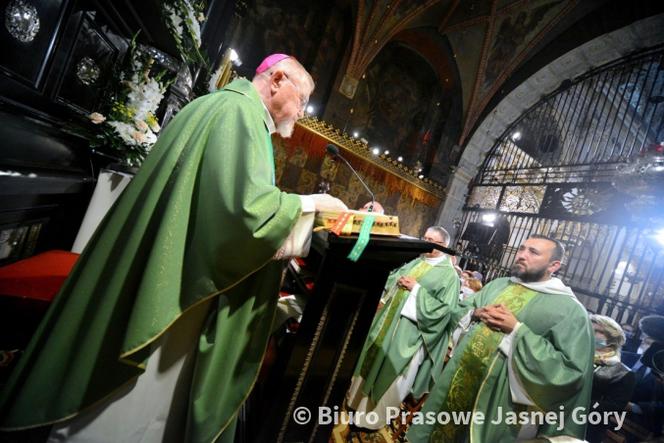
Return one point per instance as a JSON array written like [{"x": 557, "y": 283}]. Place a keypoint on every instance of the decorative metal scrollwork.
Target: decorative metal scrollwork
[
  {"x": 642, "y": 178},
  {"x": 580, "y": 201}
]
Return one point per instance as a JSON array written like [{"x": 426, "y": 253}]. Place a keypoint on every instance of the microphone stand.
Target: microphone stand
[{"x": 373, "y": 198}]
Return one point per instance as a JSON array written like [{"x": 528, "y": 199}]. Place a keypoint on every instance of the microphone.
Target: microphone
[{"x": 334, "y": 152}]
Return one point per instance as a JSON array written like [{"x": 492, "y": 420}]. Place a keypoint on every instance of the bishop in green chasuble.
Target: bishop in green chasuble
[
  {"x": 405, "y": 349},
  {"x": 191, "y": 241},
  {"x": 503, "y": 382}
]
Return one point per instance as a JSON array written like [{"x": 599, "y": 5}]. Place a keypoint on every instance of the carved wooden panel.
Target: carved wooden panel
[
  {"x": 28, "y": 36},
  {"x": 89, "y": 65}
]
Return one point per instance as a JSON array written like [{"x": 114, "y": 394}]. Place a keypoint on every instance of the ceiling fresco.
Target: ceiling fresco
[{"x": 489, "y": 40}]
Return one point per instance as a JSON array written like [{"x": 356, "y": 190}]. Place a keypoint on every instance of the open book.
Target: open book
[{"x": 383, "y": 224}]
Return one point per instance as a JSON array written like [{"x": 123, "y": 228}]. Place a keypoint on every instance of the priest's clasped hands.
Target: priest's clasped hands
[
  {"x": 496, "y": 317},
  {"x": 407, "y": 283}
]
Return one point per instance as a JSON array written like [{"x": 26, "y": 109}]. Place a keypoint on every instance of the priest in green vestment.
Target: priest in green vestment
[
  {"x": 405, "y": 349},
  {"x": 160, "y": 330},
  {"x": 523, "y": 347}
]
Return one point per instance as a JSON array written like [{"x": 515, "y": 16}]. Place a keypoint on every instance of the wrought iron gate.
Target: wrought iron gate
[{"x": 584, "y": 165}]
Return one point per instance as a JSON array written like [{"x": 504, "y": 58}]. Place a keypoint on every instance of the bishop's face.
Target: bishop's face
[{"x": 289, "y": 100}]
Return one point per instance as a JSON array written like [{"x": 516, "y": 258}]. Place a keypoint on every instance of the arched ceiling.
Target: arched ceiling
[
  {"x": 435, "y": 50},
  {"x": 489, "y": 39}
]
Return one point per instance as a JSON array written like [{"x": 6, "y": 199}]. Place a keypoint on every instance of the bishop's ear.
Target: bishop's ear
[{"x": 276, "y": 80}]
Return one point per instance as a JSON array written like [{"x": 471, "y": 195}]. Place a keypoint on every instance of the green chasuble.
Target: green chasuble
[
  {"x": 552, "y": 358},
  {"x": 393, "y": 339},
  {"x": 200, "y": 221}
]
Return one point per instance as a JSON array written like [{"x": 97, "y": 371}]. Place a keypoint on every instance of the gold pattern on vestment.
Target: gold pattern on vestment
[
  {"x": 392, "y": 310},
  {"x": 474, "y": 364}
]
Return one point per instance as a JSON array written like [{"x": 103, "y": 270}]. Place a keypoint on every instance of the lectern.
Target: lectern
[{"x": 315, "y": 368}]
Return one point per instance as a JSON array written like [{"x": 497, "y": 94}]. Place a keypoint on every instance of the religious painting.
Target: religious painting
[
  {"x": 301, "y": 171},
  {"x": 280, "y": 158},
  {"x": 307, "y": 182},
  {"x": 328, "y": 58},
  {"x": 314, "y": 32},
  {"x": 470, "y": 40},
  {"x": 271, "y": 26},
  {"x": 469, "y": 10},
  {"x": 299, "y": 157},
  {"x": 513, "y": 32},
  {"x": 406, "y": 7},
  {"x": 393, "y": 105},
  {"x": 329, "y": 168}
]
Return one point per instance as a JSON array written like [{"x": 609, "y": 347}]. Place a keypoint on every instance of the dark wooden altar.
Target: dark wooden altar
[
  {"x": 50, "y": 80},
  {"x": 314, "y": 368}
]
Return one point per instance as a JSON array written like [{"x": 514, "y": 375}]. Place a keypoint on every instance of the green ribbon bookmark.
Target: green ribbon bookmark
[{"x": 362, "y": 238}]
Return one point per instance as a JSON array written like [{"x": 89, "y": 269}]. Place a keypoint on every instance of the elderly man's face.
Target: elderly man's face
[
  {"x": 533, "y": 260},
  {"x": 433, "y": 237},
  {"x": 288, "y": 102}
]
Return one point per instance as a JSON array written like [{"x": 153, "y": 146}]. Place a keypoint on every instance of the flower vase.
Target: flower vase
[{"x": 110, "y": 184}]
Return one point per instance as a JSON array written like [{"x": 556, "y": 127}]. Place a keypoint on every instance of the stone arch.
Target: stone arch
[{"x": 607, "y": 48}]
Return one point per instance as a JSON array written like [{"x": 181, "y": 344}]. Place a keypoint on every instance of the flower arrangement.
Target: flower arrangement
[
  {"x": 128, "y": 127},
  {"x": 183, "y": 19}
]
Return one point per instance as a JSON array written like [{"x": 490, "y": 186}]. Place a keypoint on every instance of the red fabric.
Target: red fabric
[{"x": 38, "y": 277}]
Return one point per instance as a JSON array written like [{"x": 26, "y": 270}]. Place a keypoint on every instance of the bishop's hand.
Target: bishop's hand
[{"x": 325, "y": 202}]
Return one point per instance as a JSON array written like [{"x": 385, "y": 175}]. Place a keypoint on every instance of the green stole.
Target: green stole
[
  {"x": 386, "y": 320},
  {"x": 270, "y": 156},
  {"x": 475, "y": 363}
]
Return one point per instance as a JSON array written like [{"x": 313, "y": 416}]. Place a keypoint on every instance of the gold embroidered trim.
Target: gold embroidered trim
[
  {"x": 393, "y": 305},
  {"x": 474, "y": 365}
]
